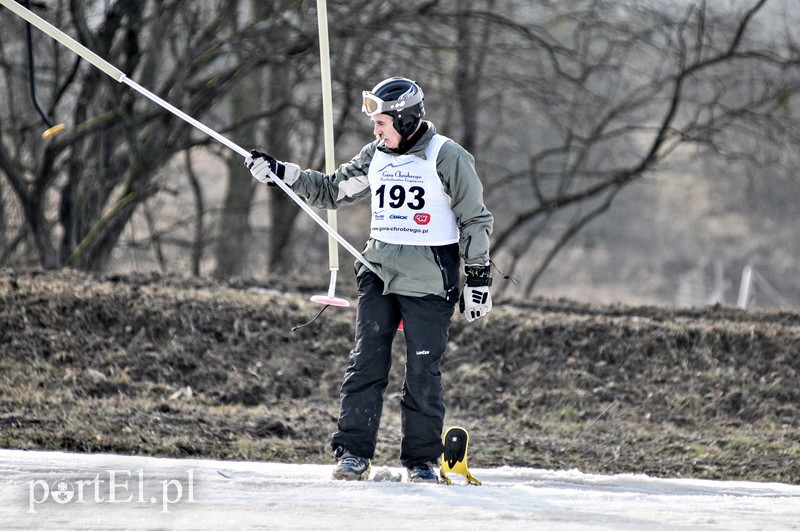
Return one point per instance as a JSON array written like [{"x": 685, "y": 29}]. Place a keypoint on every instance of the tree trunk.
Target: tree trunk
[
  {"x": 235, "y": 235},
  {"x": 283, "y": 211}
]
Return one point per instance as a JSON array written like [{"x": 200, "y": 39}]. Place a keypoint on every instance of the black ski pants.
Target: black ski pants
[{"x": 426, "y": 325}]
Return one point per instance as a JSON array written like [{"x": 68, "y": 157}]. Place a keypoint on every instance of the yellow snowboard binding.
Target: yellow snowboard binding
[{"x": 454, "y": 457}]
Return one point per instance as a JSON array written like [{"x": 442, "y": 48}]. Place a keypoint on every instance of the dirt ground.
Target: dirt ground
[{"x": 174, "y": 366}]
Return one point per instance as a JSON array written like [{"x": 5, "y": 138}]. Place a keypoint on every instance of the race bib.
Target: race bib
[{"x": 409, "y": 204}]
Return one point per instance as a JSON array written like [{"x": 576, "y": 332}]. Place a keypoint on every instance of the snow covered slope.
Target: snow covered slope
[{"x": 47, "y": 490}]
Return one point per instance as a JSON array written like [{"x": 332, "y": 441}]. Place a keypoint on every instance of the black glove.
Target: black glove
[
  {"x": 266, "y": 168},
  {"x": 476, "y": 301}
]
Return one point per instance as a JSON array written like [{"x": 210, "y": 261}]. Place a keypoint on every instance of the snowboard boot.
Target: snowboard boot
[
  {"x": 350, "y": 467},
  {"x": 424, "y": 473}
]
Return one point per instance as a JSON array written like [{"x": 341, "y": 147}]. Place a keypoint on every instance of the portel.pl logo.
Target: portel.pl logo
[{"x": 112, "y": 486}]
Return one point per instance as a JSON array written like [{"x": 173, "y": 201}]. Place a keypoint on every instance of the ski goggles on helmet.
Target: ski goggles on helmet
[{"x": 372, "y": 104}]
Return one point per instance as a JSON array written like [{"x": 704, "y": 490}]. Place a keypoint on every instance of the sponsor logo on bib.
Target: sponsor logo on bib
[{"x": 422, "y": 219}]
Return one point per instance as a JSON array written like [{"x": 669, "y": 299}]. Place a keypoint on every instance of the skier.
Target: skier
[{"x": 427, "y": 215}]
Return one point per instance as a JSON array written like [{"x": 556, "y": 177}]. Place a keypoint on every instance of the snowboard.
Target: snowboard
[{"x": 454, "y": 457}]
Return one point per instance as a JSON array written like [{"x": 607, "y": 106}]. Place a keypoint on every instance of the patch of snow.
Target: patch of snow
[{"x": 47, "y": 490}]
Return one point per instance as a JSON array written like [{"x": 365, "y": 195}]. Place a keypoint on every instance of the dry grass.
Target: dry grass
[{"x": 185, "y": 367}]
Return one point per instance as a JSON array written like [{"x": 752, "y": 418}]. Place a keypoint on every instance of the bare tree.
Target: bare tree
[
  {"x": 79, "y": 190},
  {"x": 563, "y": 103},
  {"x": 235, "y": 234},
  {"x": 614, "y": 91}
]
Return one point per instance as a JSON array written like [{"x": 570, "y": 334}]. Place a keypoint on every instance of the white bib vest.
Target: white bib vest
[{"x": 409, "y": 204}]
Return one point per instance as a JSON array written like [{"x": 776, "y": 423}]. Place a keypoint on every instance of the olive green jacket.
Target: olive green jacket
[{"x": 409, "y": 269}]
